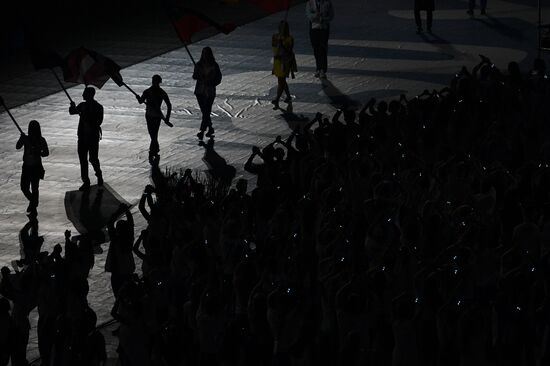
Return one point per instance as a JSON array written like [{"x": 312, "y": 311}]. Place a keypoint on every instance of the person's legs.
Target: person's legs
[
  {"x": 287, "y": 92},
  {"x": 209, "y": 101},
  {"x": 429, "y": 19},
  {"x": 83, "y": 157},
  {"x": 281, "y": 85},
  {"x": 205, "y": 104},
  {"x": 25, "y": 184},
  {"x": 35, "y": 183},
  {"x": 323, "y": 49},
  {"x": 471, "y": 6},
  {"x": 153, "y": 126},
  {"x": 483, "y": 5},
  {"x": 315, "y": 39},
  {"x": 94, "y": 160},
  {"x": 417, "y": 19}
]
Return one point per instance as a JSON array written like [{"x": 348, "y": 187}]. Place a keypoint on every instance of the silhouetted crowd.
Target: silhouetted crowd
[{"x": 414, "y": 232}]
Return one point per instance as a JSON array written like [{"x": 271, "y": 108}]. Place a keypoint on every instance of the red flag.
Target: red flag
[
  {"x": 88, "y": 67},
  {"x": 271, "y": 6},
  {"x": 189, "y": 24}
]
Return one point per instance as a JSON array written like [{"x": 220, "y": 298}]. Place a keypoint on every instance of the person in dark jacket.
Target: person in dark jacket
[
  {"x": 89, "y": 134},
  {"x": 35, "y": 148},
  {"x": 319, "y": 13},
  {"x": 428, "y": 6},
  {"x": 208, "y": 75}
]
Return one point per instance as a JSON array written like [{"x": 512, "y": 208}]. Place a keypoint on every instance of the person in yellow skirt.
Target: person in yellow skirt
[{"x": 284, "y": 61}]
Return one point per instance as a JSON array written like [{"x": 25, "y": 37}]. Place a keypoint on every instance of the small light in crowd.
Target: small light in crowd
[
  {"x": 295, "y": 235},
  {"x": 463, "y": 223},
  {"x": 383, "y": 268},
  {"x": 389, "y": 219},
  {"x": 448, "y": 202},
  {"x": 458, "y": 303},
  {"x": 532, "y": 269},
  {"x": 518, "y": 308},
  {"x": 455, "y": 272},
  {"x": 455, "y": 257},
  {"x": 399, "y": 144},
  {"x": 205, "y": 242},
  {"x": 342, "y": 259},
  {"x": 416, "y": 300}
]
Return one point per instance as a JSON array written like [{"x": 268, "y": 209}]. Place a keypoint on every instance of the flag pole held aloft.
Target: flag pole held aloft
[{"x": 11, "y": 116}]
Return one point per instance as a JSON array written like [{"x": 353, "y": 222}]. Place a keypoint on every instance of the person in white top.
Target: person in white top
[{"x": 319, "y": 13}]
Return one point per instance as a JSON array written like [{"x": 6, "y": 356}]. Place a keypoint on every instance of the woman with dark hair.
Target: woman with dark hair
[
  {"x": 208, "y": 75},
  {"x": 35, "y": 148},
  {"x": 283, "y": 61}
]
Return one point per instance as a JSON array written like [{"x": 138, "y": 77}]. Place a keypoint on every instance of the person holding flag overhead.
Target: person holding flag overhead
[
  {"x": 208, "y": 75},
  {"x": 89, "y": 134},
  {"x": 35, "y": 148},
  {"x": 153, "y": 98}
]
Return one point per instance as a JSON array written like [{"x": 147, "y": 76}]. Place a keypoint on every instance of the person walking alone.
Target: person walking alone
[
  {"x": 319, "y": 13},
  {"x": 208, "y": 75},
  {"x": 284, "y": 61},
  {"x": 35, "y": 148},
  {"x": 89, "y": 134},
  {"x": 153, "y": 98}
]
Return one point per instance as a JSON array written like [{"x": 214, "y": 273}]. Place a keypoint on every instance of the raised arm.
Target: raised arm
[
  {"x": 73, "y": 109},
  {"x": 135, "y": 248},
  {"x": 145, "y": 197}
]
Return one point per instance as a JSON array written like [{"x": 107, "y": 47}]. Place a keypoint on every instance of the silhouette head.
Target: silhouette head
[
  {"x": 156, "y": 80},
  {"x": 242, "y": 186},
  {"x": 5, "y": 271},
  {"x": 88, "y": 94},
  {"x": 207, "y": 56},
  {"x": 34, "y": 132},
  {"x": 284, "y": 29}
]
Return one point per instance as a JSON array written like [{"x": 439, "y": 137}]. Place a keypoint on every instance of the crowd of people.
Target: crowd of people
[{"x": 414, "y": 232}]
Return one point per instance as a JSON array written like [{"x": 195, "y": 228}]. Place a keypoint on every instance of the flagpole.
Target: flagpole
[
  {"x": 61, "y": 84},
  {"x": 130, "y": 89},
  {"x": 11, "y": 116},
  {"x": 189, "y": 53}
]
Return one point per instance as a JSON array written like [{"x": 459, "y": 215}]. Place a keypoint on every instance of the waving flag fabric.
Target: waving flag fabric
[
  {"x": 88, "y": 67},
  {"x": 194, "y": 20}
]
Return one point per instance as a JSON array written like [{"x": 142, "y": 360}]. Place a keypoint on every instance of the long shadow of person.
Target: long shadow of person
[
  {"x": 337, "y": 98},
  {"x": 218, "y": 168},
  {"x": 30, "y": 243},
  {"x": 90, "y": 211}
]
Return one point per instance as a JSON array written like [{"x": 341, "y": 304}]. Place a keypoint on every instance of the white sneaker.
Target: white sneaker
[{"x": 322, "y": 74}]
